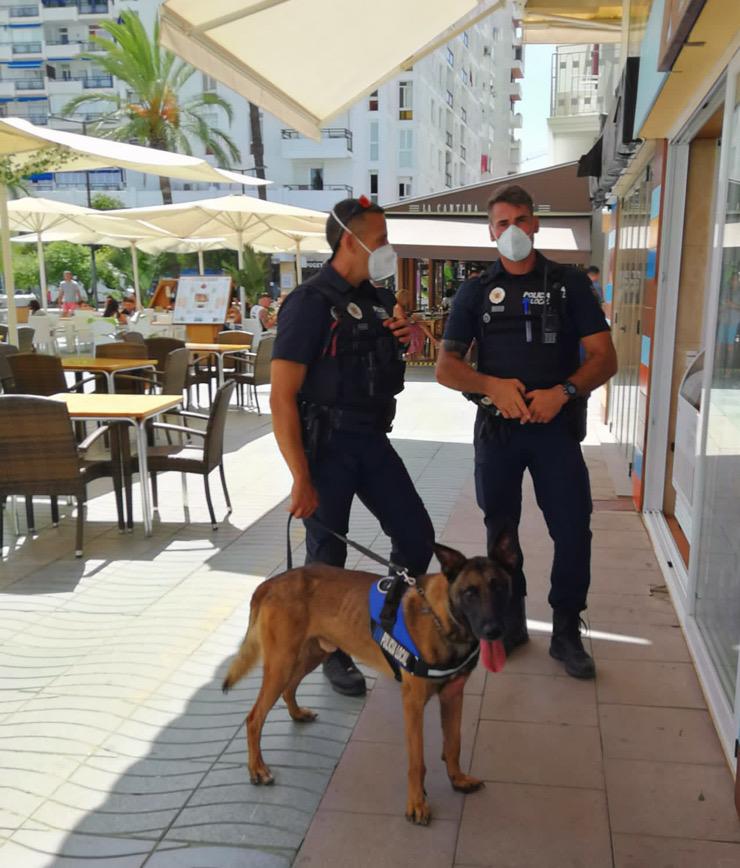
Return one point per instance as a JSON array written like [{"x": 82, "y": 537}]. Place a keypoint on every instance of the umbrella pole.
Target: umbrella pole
[
  {"x": 298, "y": 263},
  {"x": 8, "y": 265},
  {"x": 42, "y": 272},
  {"x": 201, "y": 268},
  {"x": 135, "y": 266},
  {"x": 240, "y": 264}
]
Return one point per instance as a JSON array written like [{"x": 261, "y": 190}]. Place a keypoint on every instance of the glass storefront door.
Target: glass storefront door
[{"x": 718, "y": 558}]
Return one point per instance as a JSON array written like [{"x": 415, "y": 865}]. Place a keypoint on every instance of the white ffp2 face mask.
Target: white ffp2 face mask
[
  {"x": 514, "y": 244},
  {"x": 382, "y": 262}
]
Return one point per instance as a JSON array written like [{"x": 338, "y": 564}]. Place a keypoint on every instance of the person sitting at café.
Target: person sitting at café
[
  {"x": 34, "y": 307},
  {"x": 111, "y": 307},
  {"x": 261, "y": 311},
  {"x": 127, "y": 310}
]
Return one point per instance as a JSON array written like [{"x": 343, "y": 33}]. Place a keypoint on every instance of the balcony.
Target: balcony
[
  {"x": 336, "y": 143},
  {"x": 28, "y": 11},
  {"x": 515, "y": 91},
  {"x": 515, "y": 120},
  {"x": 23, "y": 84},
  {"x": 303, "y": 196},
  {"x": 93, "y": 82},
  {"x": 26, "y": 48},
  {"x": 100, "y": 8},
  {"x": 517, "y": 68}
]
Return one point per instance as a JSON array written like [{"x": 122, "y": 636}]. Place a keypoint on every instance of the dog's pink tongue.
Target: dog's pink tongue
[{"x": 493, "y": 655}]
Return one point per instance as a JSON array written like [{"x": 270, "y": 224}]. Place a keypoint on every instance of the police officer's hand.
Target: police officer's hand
[
  {"x": 508, "y": 396},
  {"x": 304, "y": 500},
  {"x": 400, "y": 327},
  {"x": 545, "y": 404}
]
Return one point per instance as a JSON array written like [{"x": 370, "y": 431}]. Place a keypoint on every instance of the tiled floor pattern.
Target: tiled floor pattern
[{"x": 118, "y": 748}]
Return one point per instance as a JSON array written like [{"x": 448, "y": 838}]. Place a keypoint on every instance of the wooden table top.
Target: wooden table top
[
  {"x": 92, "y": 363},
  {"x": 92, "y": 405},
  {"x": 218, "y": 348}
]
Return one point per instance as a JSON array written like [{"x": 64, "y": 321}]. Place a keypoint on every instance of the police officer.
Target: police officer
[
  {"x": 337, "y": 366},
  {"x": 533, "y": 321}
]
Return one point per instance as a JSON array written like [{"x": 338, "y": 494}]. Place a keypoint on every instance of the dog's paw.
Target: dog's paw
[
  {"x": 261, "y": 774},
  {"x": 304, "y": 715},
  {"x": 419, "y": 813},
  {"x": 466, "y": 784}
]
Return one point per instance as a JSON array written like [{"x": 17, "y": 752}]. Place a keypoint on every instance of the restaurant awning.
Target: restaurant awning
[{"x": 564, "y": 239}]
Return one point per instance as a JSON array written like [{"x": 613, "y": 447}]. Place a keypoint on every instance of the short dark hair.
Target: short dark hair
[
  {"x": 350, "y": 212},
  {"x": 511, "y": 195},
  {"x": 593, "y": 269}
]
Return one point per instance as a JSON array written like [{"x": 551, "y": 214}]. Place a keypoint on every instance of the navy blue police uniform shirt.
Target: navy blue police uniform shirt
[
  {"x": 305, "y": 318},
  {"x": 507, "y": 354}
]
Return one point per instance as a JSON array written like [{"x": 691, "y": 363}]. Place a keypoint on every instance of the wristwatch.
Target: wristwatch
[{"x": 570, "y": 389}]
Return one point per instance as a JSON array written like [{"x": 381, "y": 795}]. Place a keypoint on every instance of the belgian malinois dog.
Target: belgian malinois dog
[{"x": 298, "y": 617}]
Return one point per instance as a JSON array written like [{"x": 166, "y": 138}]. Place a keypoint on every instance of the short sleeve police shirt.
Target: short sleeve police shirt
[
  {"x": 302, "y": 325},
  {"x": 583, "y": 317}
]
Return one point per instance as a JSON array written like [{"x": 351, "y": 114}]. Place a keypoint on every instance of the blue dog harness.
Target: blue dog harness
[{"x": 397, "y": 645}]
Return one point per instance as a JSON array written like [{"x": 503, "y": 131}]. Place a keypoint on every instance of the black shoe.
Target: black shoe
[
  {"x": 343, "y": 675},
  {"x": 566, "y": 644},
  {"x": 515, "y": 625}
]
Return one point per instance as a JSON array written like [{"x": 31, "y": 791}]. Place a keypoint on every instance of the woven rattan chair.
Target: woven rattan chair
[
  {"x": 25, "y": 338},
  {"x": 39, "y": 374},
  {"x": 41, "y": 457},
  {"x": 257, "y": 371},
  {"x": 160, "y": 348},
  {"x": 236, "y": 364},
  {"x": 121, "y": 350},
  {"x": 7, "y": 383},
  {"x": 133, "y": 338},
  {"x": 192, "y": 459}
]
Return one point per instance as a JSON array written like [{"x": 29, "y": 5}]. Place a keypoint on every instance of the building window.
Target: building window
[
  {"x": 374, "y": 183},
  {"x": 406, "y": 149},
  {"x": 449, "y": 98},
  {"x": 316, "y": 179},
  {"x": 464, "y": 115},
  {"x": 209, "y": 83},
  {"x": 404, "y": 188},
  {"x": 374, "y": 141},
  {"x": 450, "y": 57},
  {"x": 405, "y": 100},
  {"x": 373, "y": 101},
  {"x": 463, "y": 152},
  {"x": 466, "y": 39}
]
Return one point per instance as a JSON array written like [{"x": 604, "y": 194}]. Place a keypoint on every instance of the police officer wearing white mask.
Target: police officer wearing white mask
[
  {"x": 337, "y": 366},
  {"x": 543, "y": 346}
]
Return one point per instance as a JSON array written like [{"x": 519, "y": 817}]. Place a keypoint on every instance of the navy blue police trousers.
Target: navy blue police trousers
[
  {"x": 367, "y": 466},
  {"x": 553, "y": 456}
]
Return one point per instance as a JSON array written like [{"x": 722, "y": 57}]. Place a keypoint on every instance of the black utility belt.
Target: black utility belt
[{"x": 353, "y": 420}]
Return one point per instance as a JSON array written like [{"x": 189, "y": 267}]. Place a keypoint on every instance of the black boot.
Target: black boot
[
  {"x": 343, "y": 675},
  {"x": 515, "y": 625},
  {"x": 566, "y": 644}
]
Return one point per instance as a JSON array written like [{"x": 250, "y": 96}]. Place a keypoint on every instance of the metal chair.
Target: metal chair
[
  {"x": 41, "y": 457},
  {"x": 191, "y": 459},
  {"x": 39, "y": 374}
]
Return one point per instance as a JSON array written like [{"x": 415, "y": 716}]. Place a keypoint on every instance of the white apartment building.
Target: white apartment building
[
  {"x": 449, "y": 121},
  {"x": 583, "y": 81}
]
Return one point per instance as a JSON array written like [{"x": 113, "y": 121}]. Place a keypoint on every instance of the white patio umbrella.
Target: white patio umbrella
[
  {"x": 329, "y": 55},
  {"x": 40, "y": 216},
  {"x": 22, "y": 144},
  {"x": 252, "y": 221}
]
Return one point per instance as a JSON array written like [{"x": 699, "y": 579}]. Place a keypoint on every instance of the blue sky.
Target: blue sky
[{"x": 535, "y": 106}]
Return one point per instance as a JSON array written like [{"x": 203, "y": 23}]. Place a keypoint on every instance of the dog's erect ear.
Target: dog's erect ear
[
  {"x": 505, "y": 550},
  {"x": 450, "y": 560}
]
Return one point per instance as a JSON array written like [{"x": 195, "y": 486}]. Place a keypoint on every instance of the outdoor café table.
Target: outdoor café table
[
  {"x": 219, "y": 351},
  {"x": 108, "y": 367},
  {"x": 132, "y": 409}
]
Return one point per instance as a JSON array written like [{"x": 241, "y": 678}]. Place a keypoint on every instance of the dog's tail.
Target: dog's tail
[{"x": 248, "y": 655}]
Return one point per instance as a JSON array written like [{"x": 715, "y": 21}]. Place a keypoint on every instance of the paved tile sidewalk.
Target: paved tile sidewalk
[{"x": 118, "y": 748}]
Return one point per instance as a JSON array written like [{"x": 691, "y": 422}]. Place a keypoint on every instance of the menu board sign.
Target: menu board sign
[{"x": 202, "y": 299}]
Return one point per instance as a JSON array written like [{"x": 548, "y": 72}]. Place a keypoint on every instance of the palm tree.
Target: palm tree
[{"x": 152, "y": 112}]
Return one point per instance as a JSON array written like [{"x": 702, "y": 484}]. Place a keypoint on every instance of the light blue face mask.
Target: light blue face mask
[
  {"x": 514, "y": 244},
  {"x": 382, "y": 262}
]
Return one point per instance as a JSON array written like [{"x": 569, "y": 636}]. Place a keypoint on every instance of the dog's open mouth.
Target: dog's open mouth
[{"x": 493, "y": 654}]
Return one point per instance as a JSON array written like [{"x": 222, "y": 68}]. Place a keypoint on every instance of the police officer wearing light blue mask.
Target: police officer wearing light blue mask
[
  {"x": 337, "y": 366},
  {"x": 543, "y": 346}
]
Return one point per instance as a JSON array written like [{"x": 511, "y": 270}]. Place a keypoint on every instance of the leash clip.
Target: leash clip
[{"x": 404, "y": 574}]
